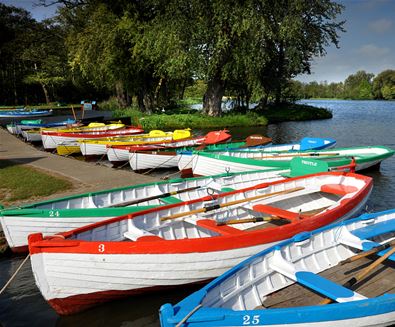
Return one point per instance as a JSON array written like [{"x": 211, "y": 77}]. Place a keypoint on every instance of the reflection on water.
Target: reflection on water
[{"x": 353, "y": 123}]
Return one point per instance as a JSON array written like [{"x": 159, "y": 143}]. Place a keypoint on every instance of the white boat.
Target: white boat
[
  {"x": 207, "y": 163},
  {"x": 31, "y": 135},
  {"x": 289, "y": 284},
  {"x": 185, "y": 158},
  {"x": 90, "y": 147},
  {"x": 62, "y": 214},
  {"x": 188, "y": 242}
]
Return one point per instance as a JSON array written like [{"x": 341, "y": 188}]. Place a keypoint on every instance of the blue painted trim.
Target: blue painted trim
[{"x": 322, "y": 285}]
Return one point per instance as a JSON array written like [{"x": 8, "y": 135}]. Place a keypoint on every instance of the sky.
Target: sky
[{"x": 368, "y": 43}]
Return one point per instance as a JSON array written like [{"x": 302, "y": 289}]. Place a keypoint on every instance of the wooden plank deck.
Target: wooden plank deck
[{"x": 380, "y": 281}]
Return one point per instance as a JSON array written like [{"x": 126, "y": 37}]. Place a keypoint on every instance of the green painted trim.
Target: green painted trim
[
  {"x": 277, "y": 164},
  {"x": 171, "y": 200},
  {"x": 73, "y": 213},
  {"x": 32, "y": 206}
]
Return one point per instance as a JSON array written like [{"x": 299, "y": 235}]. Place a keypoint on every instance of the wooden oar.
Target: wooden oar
[
  {"x": 312, "y": 154},
  {"x": 248, "y": 220},
  {"x": 363, "y": 273},
  {"x": 368, "y": 252},
  {"x": 217, "y": 206},
  {"x": 164, "y": 195}
]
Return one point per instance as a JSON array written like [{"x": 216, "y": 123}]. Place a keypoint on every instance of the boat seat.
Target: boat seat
[
  {"x": 313, "y": 281},
  {"x": 133, "y": 233},
  {"x": 227, "y": 189},
  {"x": 170, "y": 200},
  {"x": 358, "y": 238},
  {"x": 278, "y": 212},
  {"x": 212, "y": 225},
  {"x": 376, "y": 229},
  {"x": 338, "y": 189}
]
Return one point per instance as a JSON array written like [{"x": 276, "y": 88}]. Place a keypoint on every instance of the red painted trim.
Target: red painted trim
[
  {"x": 267, "y": 209},
  {"x": 96, "y": 134},
  {"x": 20, "y": 249},
  {"x": 212, "y": 225},
  {"x": 220, "y": 243},
  {"x": 78, "y": 303},
  {"x": 338, "y": 189}
]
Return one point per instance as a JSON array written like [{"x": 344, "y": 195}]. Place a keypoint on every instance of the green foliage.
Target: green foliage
[
  {"x": 384, "y": 84},
  {"x": 191, "y": 120},
  {"x": 196, "y": 90},
  {"x": 358, "y": 86},
  {"x": 20, "y": 182},
  {"x": 295, "y": 112}
]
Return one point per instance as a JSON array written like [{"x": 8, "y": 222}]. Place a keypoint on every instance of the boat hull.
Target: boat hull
[
  {"x": 255, "y": 292},
  {"x": 72, "y": 268}
]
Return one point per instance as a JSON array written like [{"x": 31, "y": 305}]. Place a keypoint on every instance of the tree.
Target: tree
[
  {"x": 358, "y": 85},
  {"x": 47, "y": 58},
  {"x": 289, "y": 35},
  {"x": 15, "y": 27},
  {"x": 383, "y": 83}
]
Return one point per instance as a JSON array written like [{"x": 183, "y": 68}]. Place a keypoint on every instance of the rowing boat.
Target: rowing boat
[
  {"x": 186, "y": 242},
  {"x": 62, "y": 214},
  {"x": 166, "y": 157},
  {"x": 207, "y": 163},
  {"x": 97, "y": 147},
  {"x": 54, "y": 138},
  {"x": 24, "y": 113},
  {"x": 17, "y": 128},
  {"x": 212, "y": 140},
  {"x": 289, "y": 284},
  {"x": 185, "y": 158}
]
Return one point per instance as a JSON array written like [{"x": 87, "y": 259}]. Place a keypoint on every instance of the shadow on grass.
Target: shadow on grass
[{"x": 5, "y": 163}]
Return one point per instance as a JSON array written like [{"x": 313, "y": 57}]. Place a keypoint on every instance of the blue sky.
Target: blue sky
[{"x": 368, "y": 43}]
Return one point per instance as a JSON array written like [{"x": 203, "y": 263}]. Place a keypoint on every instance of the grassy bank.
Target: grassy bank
[
  {"x": 193, "y": 120},
  {"x": 182, "y": 117},
  {"x": 294, "y": 112},
  {"x": 18, "y": 182}
]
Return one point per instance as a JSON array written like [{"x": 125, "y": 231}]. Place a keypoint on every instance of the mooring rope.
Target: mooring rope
[
  {"x": 177, "y": 172},
  {"x": 158, "y": 166},
  {"x": 188, "y": 315},
  {"x": 15, "y": 273}
]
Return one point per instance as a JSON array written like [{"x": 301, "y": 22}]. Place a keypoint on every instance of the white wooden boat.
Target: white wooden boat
[
  {"x": 185, "y": 158},
  {"x": 288, "y": 284},
  {"x": 120, "y": 153},
  {"x": 205, "y": 163},
  {"x": 52, "y": 137},
  {"x": 62, "y": 214},
  {"x": 99, "y": 146},
  {"x": 187, "y": 242},
  {"x": 31, "y": 135}
]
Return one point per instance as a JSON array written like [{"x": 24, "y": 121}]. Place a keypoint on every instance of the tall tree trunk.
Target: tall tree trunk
[
  {"x": 14, "y": 86},
  {"x": 212, "y": 99},
  {"x": 120, "y": 93},
  {"x": 45, "y": 90},
  {"x": 280, "y": 74}
]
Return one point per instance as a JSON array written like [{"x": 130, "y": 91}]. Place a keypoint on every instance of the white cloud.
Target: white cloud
[
  {"x": 380, "y": 25},
  {"x": 371, "y": 50}
]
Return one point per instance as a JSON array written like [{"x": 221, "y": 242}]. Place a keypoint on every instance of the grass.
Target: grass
[
  {"x": 193, "y": 120},
  {"x": 18, "y": 182}
]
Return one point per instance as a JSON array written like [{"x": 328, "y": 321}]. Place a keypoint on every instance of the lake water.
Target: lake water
[{"x": 354, "y": 123}]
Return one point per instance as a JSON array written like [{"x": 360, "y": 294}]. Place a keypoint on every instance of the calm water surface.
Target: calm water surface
[{"x": 354, "y": 123}]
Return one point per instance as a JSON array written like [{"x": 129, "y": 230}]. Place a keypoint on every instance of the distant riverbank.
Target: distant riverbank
[{"x": 183, "y": 118}]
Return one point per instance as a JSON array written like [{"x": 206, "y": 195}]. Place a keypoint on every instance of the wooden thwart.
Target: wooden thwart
[
  {"x": 351, "y": 282},
  {"x": 217, "y": 206},
  {"x": 163, "y": 195},
  {"x": 369, "y": 252}
]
